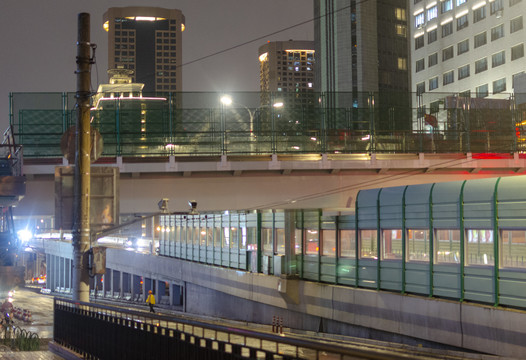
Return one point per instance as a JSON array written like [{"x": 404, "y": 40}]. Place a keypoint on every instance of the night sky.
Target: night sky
[{"x": 39, "y": 41}]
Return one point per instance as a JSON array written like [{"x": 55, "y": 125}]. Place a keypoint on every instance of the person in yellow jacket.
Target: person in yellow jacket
[{"x": 151, "y": 301}]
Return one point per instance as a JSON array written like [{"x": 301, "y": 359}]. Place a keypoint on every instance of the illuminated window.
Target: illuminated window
[
  {"x": 447, "y": 246},
  {"x": 446, "y": 6},
  {"x": 417, "y": 245},
  {"x": 267, "y": 241},
  {"x": 348, "y": 243},
  {"x": 432, "y": 13},
  {"x": 400, "y": 14},
  {"x": 401, "y": 30},
  {"x": 328, "y": 242},
  {"x": 280, "y": 241},
  {"x": 479, "y": 247},
  {"x": 392, "y": 244},
  {"x": 513, "y": 246},
  {"x": 460, "y": 2},
  {"x": 419, "y": 20},
  {"x": 312, "y": 242},
  {"x": 368, "y": 244},
  {"x": 402, "y": 63}
]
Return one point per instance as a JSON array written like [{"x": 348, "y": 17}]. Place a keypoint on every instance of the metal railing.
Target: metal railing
[
  {"x": 97, "y": 331},
  {"x": 190, "y": 124}
]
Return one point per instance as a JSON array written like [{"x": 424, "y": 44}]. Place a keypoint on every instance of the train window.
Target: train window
[
  {"x": 348, "y": 243},
  {"x": 392, "y": 244},
  {"x": 177, "y": 234},
  {"x": 312, "y": 242},
  {"x": 243, "y": 240},
  {"x": 298, "y": 235},
  {"x": 251, "y": 238},
  {"x": 479, "y": 247},
  {"x": 196, "y": 236},
  {"x": 280, "y": 241},
  {"x": 368, "y": 246},
  {"x": 183, "y": 234},
  {"x": 226, "y": 237},
  {"x": 210, "y": 236},
  {"x": 202, "y": 236},
  {"x": 328, "y": 242},
  {"x": 513, "y": 248},
  {"x": 266, "y": 240},
  {"x": 417, "y": 245},
  {"x": 217, "y": 237},
  {"x": 447, "y": 245},
  {"x": 234, "y": 237}
]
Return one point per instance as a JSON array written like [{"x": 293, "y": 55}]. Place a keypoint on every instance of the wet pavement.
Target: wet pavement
[{"x": 41, "y": 307}]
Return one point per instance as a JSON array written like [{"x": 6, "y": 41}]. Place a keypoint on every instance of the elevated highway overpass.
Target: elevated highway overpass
[{"x": 265, "y": 181}]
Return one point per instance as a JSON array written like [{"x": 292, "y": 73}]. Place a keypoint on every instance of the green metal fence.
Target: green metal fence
[{"x": 199, "y": 124}]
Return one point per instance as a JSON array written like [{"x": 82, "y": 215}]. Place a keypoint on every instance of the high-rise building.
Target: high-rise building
[
  {"x": 469, "y": 49},
  {"x": 147, "y": 40},
  {"x": 288, "y": 67},
  {"x": 362, "y": 52}
]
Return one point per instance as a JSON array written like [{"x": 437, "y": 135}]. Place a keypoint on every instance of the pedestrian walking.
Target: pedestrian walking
[{"x": 151, "y": 301}]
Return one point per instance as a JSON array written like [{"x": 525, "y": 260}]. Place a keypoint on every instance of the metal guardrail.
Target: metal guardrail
[
  {"x": 97, "y": 331},
  {"x": 196, "y": 124}
]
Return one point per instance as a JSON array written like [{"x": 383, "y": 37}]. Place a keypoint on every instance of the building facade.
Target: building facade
[
  {"x": 288, "y": 67},
  {"x": 465, "y": 48},
  {"x": 147, "y": 40},
  {"x": 362, "y": 56}
]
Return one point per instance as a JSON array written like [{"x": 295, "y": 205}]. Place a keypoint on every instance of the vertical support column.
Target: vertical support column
[{"x": 81, "y": 227}]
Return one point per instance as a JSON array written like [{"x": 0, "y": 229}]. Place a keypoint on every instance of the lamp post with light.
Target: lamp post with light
[{"x": 226, "y": 100}]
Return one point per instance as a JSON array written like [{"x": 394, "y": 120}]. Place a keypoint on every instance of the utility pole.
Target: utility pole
[{"x": 81, "y": 223}]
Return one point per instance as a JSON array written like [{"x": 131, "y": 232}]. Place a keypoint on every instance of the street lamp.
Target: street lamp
[{"x": 226, "y": 100}]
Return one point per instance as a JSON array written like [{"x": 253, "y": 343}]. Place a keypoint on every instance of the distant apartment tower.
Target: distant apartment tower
[
  {"x": 288, "y": 67},
  {"x": 147, "y": 40},
  {"x": 473, "y": 49},
  {"x": 362, "y": 51}
]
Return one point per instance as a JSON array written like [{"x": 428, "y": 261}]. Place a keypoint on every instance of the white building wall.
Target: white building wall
[{"x": 511, "y": 9}]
